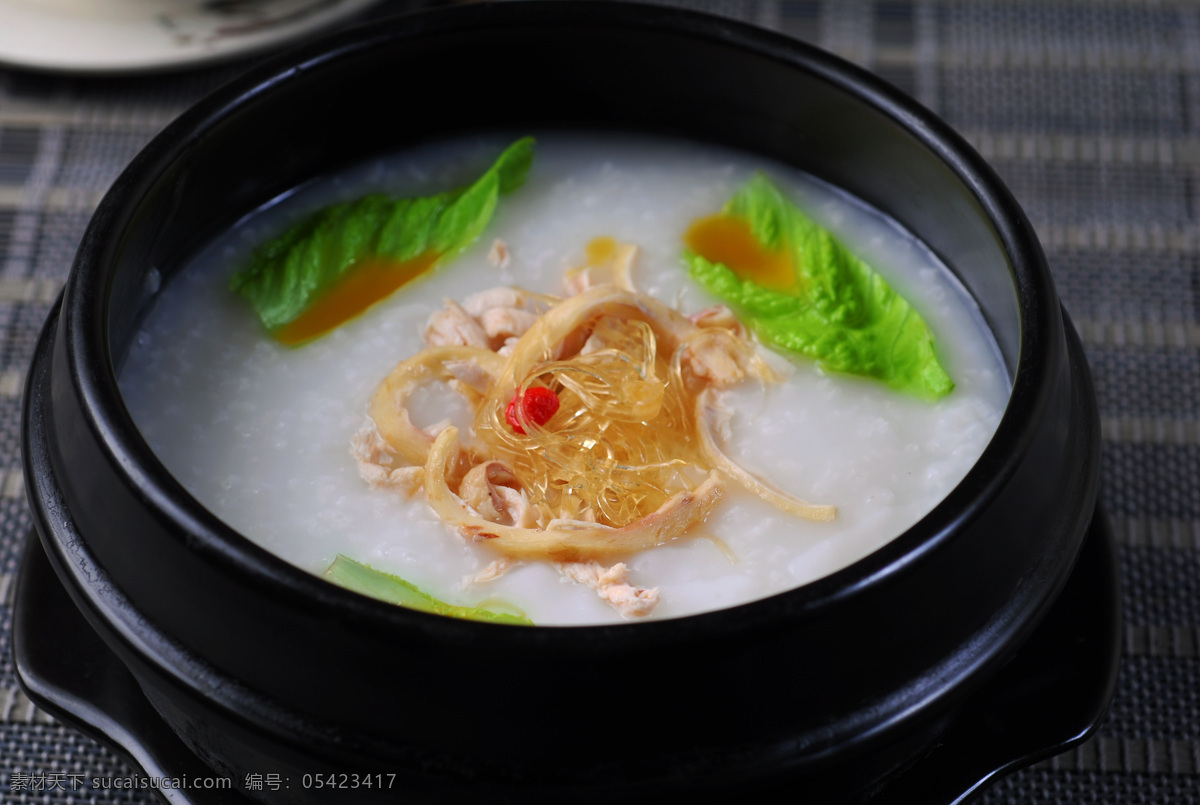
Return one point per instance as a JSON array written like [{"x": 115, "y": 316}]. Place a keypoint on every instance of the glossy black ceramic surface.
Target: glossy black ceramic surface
[
  {"x": 836, "y": 686},
  {"x": 1047, "y": 697}
]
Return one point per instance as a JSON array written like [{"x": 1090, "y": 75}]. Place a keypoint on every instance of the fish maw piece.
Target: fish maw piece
[
  {"x": 387, "y": 407},
  {"x": 493, "y": 491},
  {"x": 821, "y": 513},
  {"x": 436, "y": 428}
]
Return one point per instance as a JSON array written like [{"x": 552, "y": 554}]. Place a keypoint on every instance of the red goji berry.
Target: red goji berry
[{"x": 538, "y": 405}]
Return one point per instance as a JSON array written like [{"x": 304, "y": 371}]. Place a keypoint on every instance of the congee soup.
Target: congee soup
[{"x": 573, "y": 380}]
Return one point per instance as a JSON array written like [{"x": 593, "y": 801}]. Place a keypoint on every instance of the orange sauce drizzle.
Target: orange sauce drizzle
[
  {"x": 724, "y": 239},
  {"x": 601, "y": 249},
  {"x": 369, "y": 282}
]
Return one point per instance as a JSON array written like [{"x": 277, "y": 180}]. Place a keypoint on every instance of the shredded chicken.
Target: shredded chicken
[
  {"x": 503, "y": 323},
  {"x": 719, "y": 316},
  {"x": 486, "y": 320},
  {"x": 509, "y": 345},
  {"x": 375, "y": 463},
  {"x": 715, "y": 359},
  {"x": 612, "y": 584},
  {"x": 452, "y": 326},
  {"x": 499, "y": 255},
  {"x": 720, "y": 358},
  {"x": 495, "y": 569},
  {"x": 499, "y": 297}
]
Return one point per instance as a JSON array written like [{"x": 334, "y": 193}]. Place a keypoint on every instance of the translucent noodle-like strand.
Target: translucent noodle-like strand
[
  {"x": 670, "y": 328},
  {"x": 566, "y": 542}
]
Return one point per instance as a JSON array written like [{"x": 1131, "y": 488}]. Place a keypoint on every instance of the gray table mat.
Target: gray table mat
[{"x": 1089, "y": 111}]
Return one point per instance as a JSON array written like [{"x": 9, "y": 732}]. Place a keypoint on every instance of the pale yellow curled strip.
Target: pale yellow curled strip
[
  {"x": 566, "y": 541},
  {"x": 622, "y": 266},
  {"x": 809, "y": 511},
  {"x": 616, "y": 270},
  {"x": 387, "y": 406}
]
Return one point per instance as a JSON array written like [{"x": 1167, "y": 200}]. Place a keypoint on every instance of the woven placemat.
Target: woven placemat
[{"x": 1089, "y": 111}]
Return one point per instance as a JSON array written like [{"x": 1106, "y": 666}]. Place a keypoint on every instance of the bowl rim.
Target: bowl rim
[{"x": 85, "y": 325}]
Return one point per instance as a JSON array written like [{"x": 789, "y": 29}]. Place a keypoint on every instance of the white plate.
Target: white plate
[{"x": 113, "y": 36}]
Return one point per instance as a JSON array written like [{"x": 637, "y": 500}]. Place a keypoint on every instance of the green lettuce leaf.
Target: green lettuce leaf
[
  {"x": 394, "y": 590},
  {"x": 287, "y": 274},
  {"x": 842, "y": 314}
]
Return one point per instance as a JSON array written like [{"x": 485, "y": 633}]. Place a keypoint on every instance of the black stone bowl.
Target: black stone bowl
[{"x": 828, "y": 690}]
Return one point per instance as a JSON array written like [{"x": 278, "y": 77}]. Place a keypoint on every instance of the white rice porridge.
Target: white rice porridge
[{"x": 259, "y": 433}]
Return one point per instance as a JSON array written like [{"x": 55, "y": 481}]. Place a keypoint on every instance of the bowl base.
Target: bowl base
[{"x": 1051, "y": 695}]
